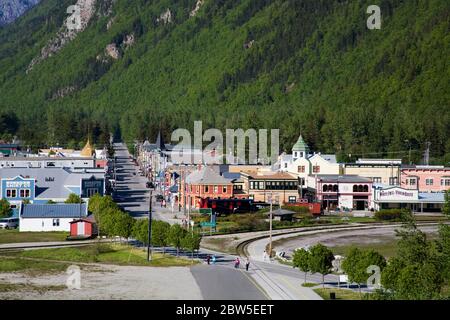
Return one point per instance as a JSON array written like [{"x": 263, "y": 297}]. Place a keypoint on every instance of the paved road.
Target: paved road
[
  {"x": 131, "y": 194},
  {"x": 219, "y": 282}
]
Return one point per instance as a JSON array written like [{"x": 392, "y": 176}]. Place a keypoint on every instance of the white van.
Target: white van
[{"x": 9, "y": 223}]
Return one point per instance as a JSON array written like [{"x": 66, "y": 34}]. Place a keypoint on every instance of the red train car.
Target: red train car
[{"x": 315, "y": 208}]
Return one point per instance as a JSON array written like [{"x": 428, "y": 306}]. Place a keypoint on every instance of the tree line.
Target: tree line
[
  {"x": 113, "y": 222},
  {"x": 419, "y": 271}
]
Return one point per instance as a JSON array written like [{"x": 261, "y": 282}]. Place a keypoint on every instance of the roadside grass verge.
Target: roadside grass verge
[
  {"x": 309, "y": 284},
  {"x": 98, "y": 253},
  {"x": 14, "y": 236},
  {"x": 14, "y": 287},
  {"x": 341, "y": 294},
  {"x": 30, "y": 267}
]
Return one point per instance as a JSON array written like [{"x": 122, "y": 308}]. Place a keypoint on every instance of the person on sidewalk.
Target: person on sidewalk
[
  {"x": 208, "y": 259},
  {"x": 237, "y": 262},
  {"x": 214, "y": 259},
  {"x": 247, "y": 264}
]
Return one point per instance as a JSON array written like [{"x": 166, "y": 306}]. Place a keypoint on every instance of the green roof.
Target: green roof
[{"x": 300, "y": 145}]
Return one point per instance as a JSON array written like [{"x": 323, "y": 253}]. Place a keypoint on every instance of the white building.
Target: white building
[
  {"x": 302, "y": 163},
  {"x": 50, "y": 217}
]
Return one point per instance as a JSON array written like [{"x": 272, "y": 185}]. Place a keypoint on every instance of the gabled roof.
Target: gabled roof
[
  {"x": 58, "y": 210},
  {"x": 50, "y": 182},
  {"x": 335, "y": 178},
  {"x": 206, "y": 175}
]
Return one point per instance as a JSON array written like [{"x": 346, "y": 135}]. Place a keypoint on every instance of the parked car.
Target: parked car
[{"x": 9, "y": 223}]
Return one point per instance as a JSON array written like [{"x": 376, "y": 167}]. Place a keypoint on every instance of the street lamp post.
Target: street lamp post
[
  {"x": 270, "y": 226},
  {"x": 149, "y": 257}
]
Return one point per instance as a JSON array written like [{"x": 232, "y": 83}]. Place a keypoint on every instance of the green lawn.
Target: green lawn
[
  {"x": 386, "y": 248},
  {"x": 14, "y": 287},
  {"x": 14, "y": 236},
  {"x": 341, "y": 294},
  {"x": 309, "y": 284},
  {"x": 31, "y": 267},
  {"x": 103, "y": 253}
]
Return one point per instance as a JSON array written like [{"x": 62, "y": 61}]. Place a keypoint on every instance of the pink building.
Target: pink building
[
  {"x": 425, "y": 178},
  {"x": 343, "y": 192}
]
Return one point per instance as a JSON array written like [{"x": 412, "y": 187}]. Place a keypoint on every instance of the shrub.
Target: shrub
[{"x": 390, "y": 215}]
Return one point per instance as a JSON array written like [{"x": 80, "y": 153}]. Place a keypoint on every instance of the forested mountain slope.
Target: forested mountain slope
[{"x": 309, "y": 66}]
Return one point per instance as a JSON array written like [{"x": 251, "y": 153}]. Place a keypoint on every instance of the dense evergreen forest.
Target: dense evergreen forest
[{"x": 303, "y": 66}]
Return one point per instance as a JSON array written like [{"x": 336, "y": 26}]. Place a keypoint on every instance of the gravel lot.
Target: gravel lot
[{"x": 110, "y": 282}]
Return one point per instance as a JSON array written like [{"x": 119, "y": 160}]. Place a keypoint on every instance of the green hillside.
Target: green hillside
[{"x": 308, "y": 66}]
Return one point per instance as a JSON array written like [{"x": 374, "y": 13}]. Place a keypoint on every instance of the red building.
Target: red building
[
  {"x": 82, "y": 229},
  {"x": 205, "y": 183}
]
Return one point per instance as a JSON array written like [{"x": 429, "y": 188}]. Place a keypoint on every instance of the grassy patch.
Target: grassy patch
[
  {"x": 31, "y": 267},
  {"x": 219, "y": 244},
  {"x": 10, "y": 287},
  {"x": 341, "y": 294},
  {"x": 103, "y": 253},
  {"x": 309, "y": 284},
  {"x": 387, "y": 249},
  {"x": 14, "y": 236}
]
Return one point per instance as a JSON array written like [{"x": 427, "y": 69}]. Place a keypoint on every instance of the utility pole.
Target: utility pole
[
  {"x": 270, "y": 226},
  {"x": 184, "y": 190},
  {"x": 149, "y": 257}
]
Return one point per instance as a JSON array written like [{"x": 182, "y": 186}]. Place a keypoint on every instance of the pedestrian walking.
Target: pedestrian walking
[
  {"x": 247, "y": 264},
  {"x": 237, "y": 263},
  {"x": 208, "y": 259},
  {"x": 213, "y": 259},
  {"x": 264, "y": 255}
]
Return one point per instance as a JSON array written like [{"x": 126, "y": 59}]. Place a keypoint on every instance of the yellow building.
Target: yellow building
[{"x": 383, "y": 171}]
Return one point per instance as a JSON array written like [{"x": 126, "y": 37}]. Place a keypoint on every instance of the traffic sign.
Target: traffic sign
[
  {"x": 206, "y": 211},
  {"x": 208, "y": 224}
]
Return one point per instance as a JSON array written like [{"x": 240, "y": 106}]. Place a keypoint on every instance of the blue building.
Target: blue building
[{"x": 41, "y": 185}]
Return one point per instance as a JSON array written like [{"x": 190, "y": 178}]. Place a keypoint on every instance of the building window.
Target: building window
[
  {"x": 91, "y": 191},
  {"x": 301, "y": 169},
  {"x": 292, "y": 199},
  {"x": 11, "y": 193},
  {"x": 316, "y": 169},
  {"x": 25, "y": 193},
  {"x": 216, "y": 189},
  {"x": 206, "y": 189},
  {"x": 411, "y": 181},
  {"x": 377, "y": 179},
  {"x": 429, "y": 182},
  {"x": 56, "y": 222},
  {"x": 224, "y": 189},
  {"x": 285, "y": 165},
  {"x": 393, "y": 181},
  {"x": 445, "y": 182}
]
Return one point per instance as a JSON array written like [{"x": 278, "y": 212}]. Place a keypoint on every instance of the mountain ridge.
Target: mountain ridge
[{"x": 301, "y": 66}]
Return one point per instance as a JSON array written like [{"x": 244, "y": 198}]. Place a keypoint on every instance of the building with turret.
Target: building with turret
[{"x": 303, "y": 163}]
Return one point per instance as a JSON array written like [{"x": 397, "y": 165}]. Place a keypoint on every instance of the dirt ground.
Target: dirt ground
[
  {"x": 345, "y": 238},
  {"x": 105, "y": 282}
]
